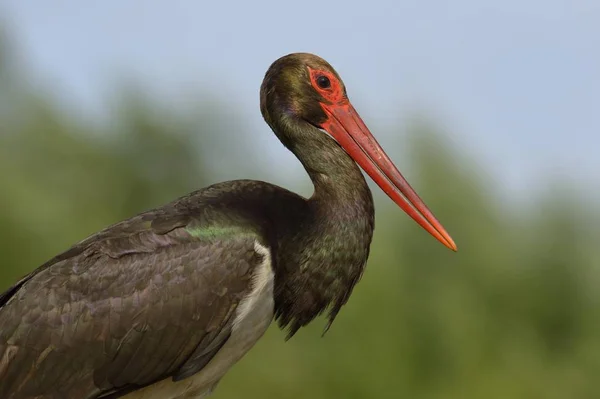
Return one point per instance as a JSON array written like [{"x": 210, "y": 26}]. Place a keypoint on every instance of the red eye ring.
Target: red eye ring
[{"x": 328, "y": 85}]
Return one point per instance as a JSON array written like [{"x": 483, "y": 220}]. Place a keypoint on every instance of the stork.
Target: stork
[{"x": 161, "y": 305}]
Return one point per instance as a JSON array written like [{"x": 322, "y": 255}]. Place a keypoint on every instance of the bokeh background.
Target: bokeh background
[{"x": 491, "y": 109}]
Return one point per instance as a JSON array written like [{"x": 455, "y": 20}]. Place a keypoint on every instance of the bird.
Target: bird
[{"x": 162, "y": 305}]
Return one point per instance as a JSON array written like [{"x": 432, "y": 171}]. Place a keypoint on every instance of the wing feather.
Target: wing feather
[{"x": 123, "y": 309}]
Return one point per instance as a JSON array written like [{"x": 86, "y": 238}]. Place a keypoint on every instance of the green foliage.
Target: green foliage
[{"x": 513, "y": 314}]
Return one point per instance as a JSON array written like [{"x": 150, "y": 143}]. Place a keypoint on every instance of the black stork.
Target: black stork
[{"x": 161, "y": 305}]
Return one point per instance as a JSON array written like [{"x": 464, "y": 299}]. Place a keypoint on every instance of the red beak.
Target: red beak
[{"x": 346, "y": 126}]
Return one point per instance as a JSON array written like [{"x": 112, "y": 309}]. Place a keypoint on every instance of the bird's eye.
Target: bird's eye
[{"x": 323, "y": 82}]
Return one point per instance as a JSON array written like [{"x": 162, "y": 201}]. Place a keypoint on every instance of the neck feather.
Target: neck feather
[{"x": 326, "y": 256}]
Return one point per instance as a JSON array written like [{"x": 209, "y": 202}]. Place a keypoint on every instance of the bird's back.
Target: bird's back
[{"x": 158, "y": 306}]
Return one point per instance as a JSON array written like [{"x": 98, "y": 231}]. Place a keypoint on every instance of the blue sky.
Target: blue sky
[{"x": 515, "y": 83}]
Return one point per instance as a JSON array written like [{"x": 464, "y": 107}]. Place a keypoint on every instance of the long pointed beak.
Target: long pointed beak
[{"x": 346, "y": 126}]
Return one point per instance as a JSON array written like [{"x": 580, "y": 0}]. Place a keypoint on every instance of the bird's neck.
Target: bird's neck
[
  {"x": 340, "y": 189},
  {"x": 327, "y": 254},
  {"x": 341, "y": 194}
]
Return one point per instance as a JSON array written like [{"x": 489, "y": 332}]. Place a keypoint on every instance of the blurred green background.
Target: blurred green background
[{"x": 513, "y": 314}]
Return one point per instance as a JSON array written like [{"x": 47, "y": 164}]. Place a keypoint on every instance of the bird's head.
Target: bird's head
[{"x": 303, "y": 98}]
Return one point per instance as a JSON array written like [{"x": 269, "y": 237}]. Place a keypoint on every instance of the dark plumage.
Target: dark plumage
[{"x": 155, "y": 298}]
